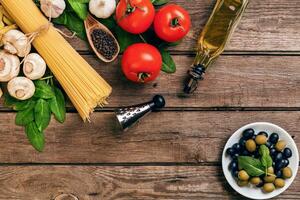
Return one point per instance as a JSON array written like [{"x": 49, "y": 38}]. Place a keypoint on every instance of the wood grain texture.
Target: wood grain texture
[
  {"x": 112, "y": 183},
  {"x": 193, "y": 137},
  {"x": 269, "y": 25},
  {"x": 233, "y": 81}
]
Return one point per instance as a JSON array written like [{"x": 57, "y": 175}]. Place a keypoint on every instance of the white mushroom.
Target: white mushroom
[
  {"x": 53, "y": 8},
  {"x": 21, "y": 88},
  {"x": 102, "y": 8},
  {"x": 9, "y": 66},
  {"x": 34, "y": 66},
  {"x": 16, "y": 42}
]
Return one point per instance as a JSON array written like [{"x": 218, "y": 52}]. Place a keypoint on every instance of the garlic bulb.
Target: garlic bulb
[
  {"x": 16, "y": 42},
  {"x": 34, "y": 66},
  {"x": 102, "y": 8},
  {"x": 21, "y": 88},
  {"x": 53, "y": 8},
  {"x": 9, "y": 66}
]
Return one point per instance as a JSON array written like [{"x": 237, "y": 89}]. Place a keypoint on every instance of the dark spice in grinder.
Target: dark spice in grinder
[{"x": 104, "y": 43}]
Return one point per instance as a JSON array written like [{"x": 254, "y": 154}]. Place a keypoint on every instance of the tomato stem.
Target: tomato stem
[
  {"x": 142, "y": 76},
  {"x": 175, "y": 22}
]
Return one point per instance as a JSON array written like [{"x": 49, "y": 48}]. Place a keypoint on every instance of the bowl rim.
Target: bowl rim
[{"x": 291, "y": 142}]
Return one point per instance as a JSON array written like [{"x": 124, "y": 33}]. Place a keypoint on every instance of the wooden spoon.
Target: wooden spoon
[{"x": 92, "y": 24}]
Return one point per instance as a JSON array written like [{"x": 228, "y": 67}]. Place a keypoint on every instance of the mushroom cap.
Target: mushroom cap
[
  {"x": 16, "y": 42},
  {"x": 9, "y": 66},
  {"x": 34, "y": 66},
  {"x": 21, "y": 88}
]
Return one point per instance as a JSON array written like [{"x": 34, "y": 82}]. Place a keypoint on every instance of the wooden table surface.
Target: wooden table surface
[{"x": 175, "y": 153}]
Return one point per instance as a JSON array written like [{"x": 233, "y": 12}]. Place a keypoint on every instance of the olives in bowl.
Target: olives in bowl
[{"x": 260, "y": 160}]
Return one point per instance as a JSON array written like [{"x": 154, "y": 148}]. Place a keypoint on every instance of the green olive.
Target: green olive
[
  {"x": 280, "y": 145},
  {"x": 255, "y": 180},
  {"x": 268, "y": 187},
  {"x": 250, "y": 145},
  {"x": 279, "y": 183},
  {"x": 242, "y": 183},
  {"x": 243, "y": 176},
  {"x": 287, "y": 172},
  {"x": 270, "y": 178},
  {"x": 270, "y": 170},
  {"x": 261, "y": 139}
]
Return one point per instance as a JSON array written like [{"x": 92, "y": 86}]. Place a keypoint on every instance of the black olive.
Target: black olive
[
  {"x": 256, "y": 154},
  {"x": 248, "y": 133},
  {"x": 273, "y": 152},
  {"x": 230, "y": 151},
  {"x": 286, "y": 162},
  {"x": 279, "y": 164},
  {"x": 237, "y": 147},
  {"x": 274, "y": 138},
  {"x": 269, "y": 144},
  {"x": 263, "y": 133},
  {"x": 287, "y": 153},
  {"x": 245, "y": 153},
  {"x": 278, "y": 157},
  {"x": 260, "y": 184},
  {"x": 233, "y": 166},
  {"x": 235, "y": 173},
  {"x": 242, "y": 142},
  {"x": 234, "y": 157},
  {"x": 278, "y": 173}
]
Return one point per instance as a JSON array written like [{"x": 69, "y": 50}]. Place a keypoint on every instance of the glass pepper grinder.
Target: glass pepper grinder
[{"x": 214, "y": 37}]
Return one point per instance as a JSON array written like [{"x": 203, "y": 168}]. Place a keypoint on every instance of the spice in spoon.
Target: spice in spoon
[{"x": 104, "y": 43}]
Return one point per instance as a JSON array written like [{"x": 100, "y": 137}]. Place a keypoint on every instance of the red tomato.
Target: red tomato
[
  {"x": 135, "y": 16},
  {"x": 172, "y": 23},
  {"x": 141, "y": 62}
]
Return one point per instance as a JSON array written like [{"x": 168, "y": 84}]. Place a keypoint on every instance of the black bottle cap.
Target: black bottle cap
[{"x": 195, "y": 74}]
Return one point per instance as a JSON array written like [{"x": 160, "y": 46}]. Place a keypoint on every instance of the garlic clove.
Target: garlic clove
[
  {"x": 53, "y": 8},
  {"x": 34, "y": 66},
  {"x": 21, "y": 88},
  {"x": 102, "y": 8},
  {"x": 16, "y": 42},
  {"x": 9, "y": 66}
]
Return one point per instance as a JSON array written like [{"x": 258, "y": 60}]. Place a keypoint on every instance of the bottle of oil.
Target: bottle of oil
[{"x": 214, "y": 37}]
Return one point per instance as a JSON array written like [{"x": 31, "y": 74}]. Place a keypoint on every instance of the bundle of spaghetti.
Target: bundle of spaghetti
[{"x": 83, "y": 85}]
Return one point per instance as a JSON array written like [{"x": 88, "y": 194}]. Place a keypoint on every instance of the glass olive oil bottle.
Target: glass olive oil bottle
[{"x": 214, "y": 37}]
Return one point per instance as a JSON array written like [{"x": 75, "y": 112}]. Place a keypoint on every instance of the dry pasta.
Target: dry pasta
[{"x": 83, "y": 85}]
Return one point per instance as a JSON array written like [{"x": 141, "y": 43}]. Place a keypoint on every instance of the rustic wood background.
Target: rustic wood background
[{"x": 176, "y": 153}]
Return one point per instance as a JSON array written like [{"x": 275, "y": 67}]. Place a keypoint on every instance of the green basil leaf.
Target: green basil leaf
[
  {"x": 79, "y": 8},
  {"x": 266, "y": 159},
  {"x": 10, "y": 101},
  {"x": 72, "y": 22},
  {"x": 42, "y": 114},
  {"x": 159, "y": 2},
  {"x": 35, "y": 137},
  {"x": 168, "y": 62},
  {"x": 43, "y": 90},
  {"x": 58, "y": 105},
  {"x": 125, "y": 39},
  {"x": 251, "y": 165},
  {"x": 82, "y": 1},
  {"x": 22, "y": 105},
  {"x": 26, "y": 116}
]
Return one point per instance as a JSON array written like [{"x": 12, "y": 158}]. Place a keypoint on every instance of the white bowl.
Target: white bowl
[{"x": 251, "y": 191}]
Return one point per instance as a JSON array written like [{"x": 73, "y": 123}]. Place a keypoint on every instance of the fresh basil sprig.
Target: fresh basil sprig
[
  {"x": 251, "y": 165},
  {"x": 266, "y": 159},
  {"x": 35, "y": 113}
]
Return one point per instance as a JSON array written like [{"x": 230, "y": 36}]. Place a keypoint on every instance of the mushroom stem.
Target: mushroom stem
[{"x": 20, "y": 93}]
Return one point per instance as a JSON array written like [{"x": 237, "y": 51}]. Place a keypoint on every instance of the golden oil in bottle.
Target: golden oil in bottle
[{"x": 214, "y": 37}]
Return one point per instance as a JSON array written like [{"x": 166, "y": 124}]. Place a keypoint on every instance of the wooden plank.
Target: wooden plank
[
  {"x": 162, "y": 137},
  {"x": 270, "y": 25},
  {"x": 107, "y": 183},
  {"x": 233, "y": 81}
]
